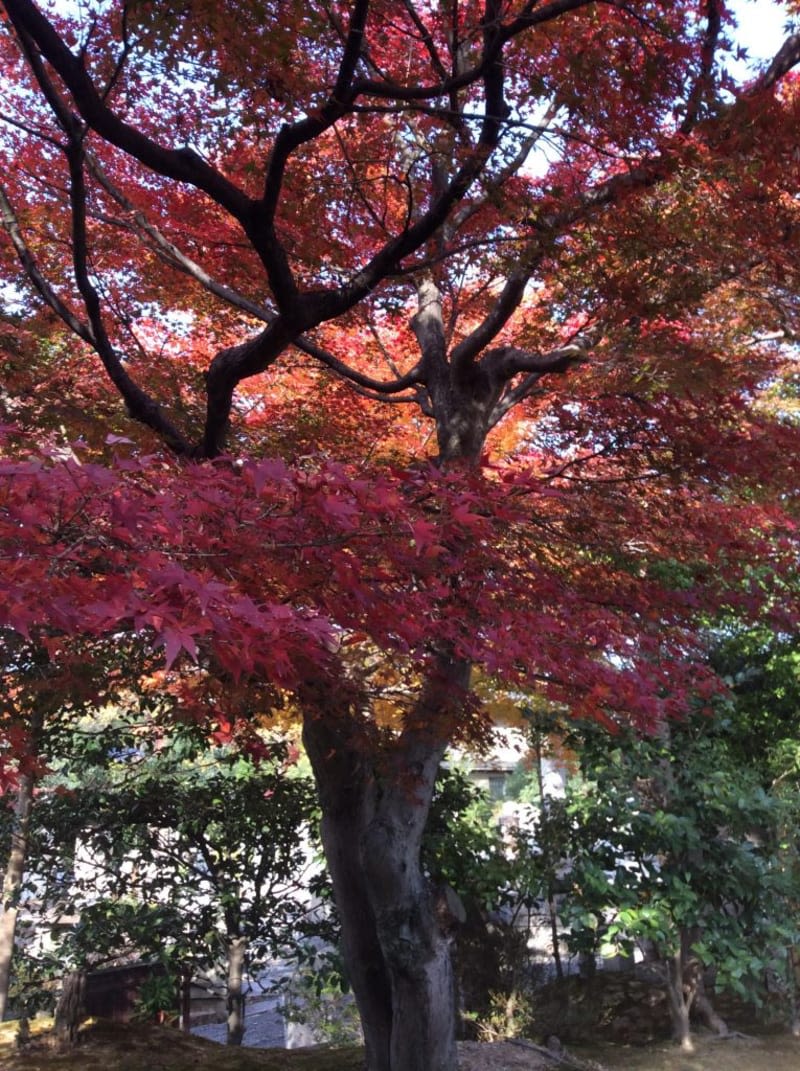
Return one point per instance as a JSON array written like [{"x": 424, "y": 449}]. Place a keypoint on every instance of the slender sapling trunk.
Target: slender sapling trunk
[
  {"x": 236, "y": 999},
  {"x": 12, "y": 883}
]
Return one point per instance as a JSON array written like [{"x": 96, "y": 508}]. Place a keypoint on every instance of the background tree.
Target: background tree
[
  {"x": 43, "y": 697},
  {"x": 677, "y": 845},
  {"x": 762, "y": 669},
  {"x": 194, "y": 853}
]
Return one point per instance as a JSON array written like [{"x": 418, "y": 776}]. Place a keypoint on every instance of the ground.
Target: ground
[
  {"x": 153, "y": 1048},
  {"x": 500, "y": 1056},
  {"x": 147, "y": 1048}
]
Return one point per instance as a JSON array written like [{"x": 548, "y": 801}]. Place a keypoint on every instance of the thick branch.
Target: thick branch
[
  {"x": 378, "y": 386},
  {"x": 178, "y": 259},
  {"x": 232, "y": 365},
  {"x": 505, "y": 362},
  {"x": 140, "y": 405},
  {"x": 226, "y": 371},
  {"x": 787, "y": 57},
  {"x": 262, "y": 224},
  {"x": 384, "y": 262},
  {"x": 506, "y": 304},
  {"x": 513, "y": 396},
  {"x": 170, "y": 253},
  {"x": 702, "y": 85},
  {"x": 428, "y": 326}
]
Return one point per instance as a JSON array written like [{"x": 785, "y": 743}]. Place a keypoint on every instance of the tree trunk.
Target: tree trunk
[
  {"x": 236, "y": 999},
  {"x": 544, "y": 817},
  {"x": 185, "y": 1001},
  {"x": 413, "y": 928},
  {"x": 12, "y": 882},
  {"x": 69, "y": 1009},
  {"x": 342, "y": 831},
  {"x": 707, "y": 1013},
  {"x": 794, "y": 1006},
  {"x": 684, "y": 984},
  {"x": 679, "y": 1006},
  {"x": 397, "y": 930}
]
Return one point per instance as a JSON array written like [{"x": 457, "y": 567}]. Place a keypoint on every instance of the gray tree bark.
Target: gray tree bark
[
  {"x": 706, "y": 1012},
  {"x": 69, "y": 1009},
  {"x": 397, "y": 929},
  {"x": 679, "y": 1003},
  {"x": 237, "y": 947}
]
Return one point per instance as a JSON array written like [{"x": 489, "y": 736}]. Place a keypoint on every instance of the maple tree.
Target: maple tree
[{"x": 557, "y": 236}]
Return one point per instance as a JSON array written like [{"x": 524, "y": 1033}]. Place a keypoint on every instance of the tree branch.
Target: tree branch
[
  {"x": 343, "y": 370},
  {"x": 139, "y": 403},
  {"x": 506, "y": 304},
  {"x": 513, "y": 396},
  {"x": 261, "y": 227},
  {"x": 702, "y": 85},
  {"x": 505, "y": 362},
  {"x": 501, "y": 35},
  {"x": 182, "y": 165},
  {"x": 38, "y": 280},
  {"x": 427, "y": 40},
  {"x": 785, "y": 59},
  {"x": 179, "y": 260},
  {"x": 170, "y": 253}
]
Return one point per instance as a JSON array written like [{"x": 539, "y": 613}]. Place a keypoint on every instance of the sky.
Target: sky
[{"x": 761, "y": 27}]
